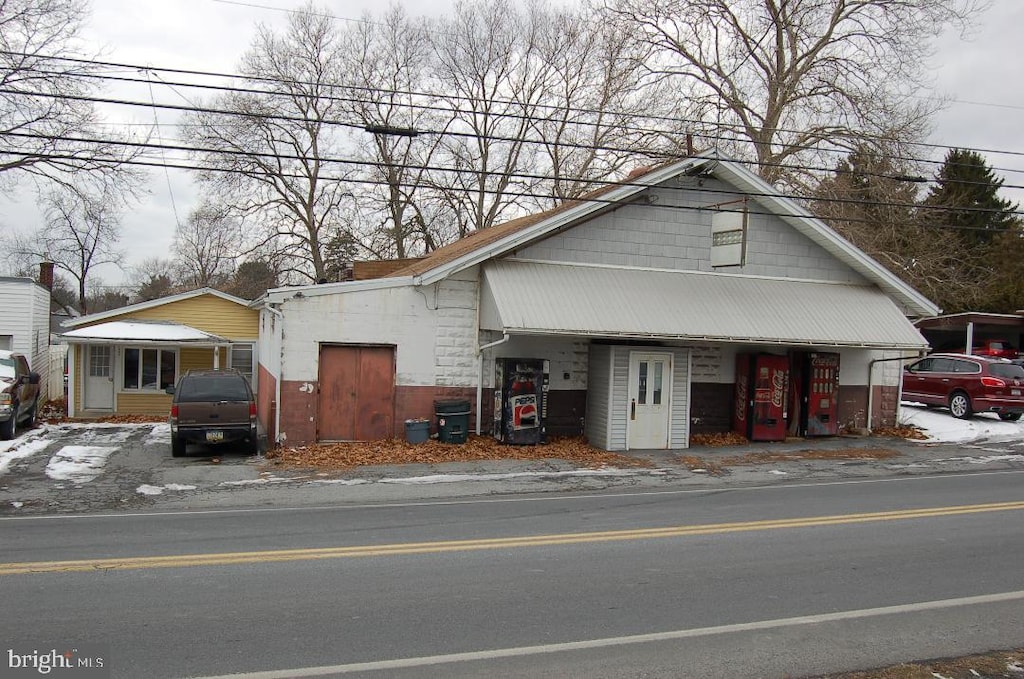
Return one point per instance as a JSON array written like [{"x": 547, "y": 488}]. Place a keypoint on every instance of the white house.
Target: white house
[
  {"x": 25, "y": 322},
  {"x": 651, "y": 300}
]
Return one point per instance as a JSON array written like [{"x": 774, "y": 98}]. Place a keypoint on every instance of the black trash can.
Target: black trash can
[{"x": 452, "y": 421}]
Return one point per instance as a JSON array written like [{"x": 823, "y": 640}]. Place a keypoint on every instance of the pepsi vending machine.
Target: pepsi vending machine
[
  {"x": 762, "y": 382},
  {"x": 520, "y": 400}
]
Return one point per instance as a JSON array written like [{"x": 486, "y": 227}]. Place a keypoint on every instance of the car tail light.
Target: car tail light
[
  {"x": 252, "y": 410},
  {"x": 174, "y": 412},
  {"x": 992, "y": 382}
]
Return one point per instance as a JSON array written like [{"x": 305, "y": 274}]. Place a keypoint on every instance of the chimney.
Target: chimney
[{"x": 46, "y": 275}]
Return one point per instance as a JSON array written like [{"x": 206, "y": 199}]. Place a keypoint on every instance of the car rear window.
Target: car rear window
[
  {"x": 1007, "y": 370},
  {"x": 213, "y": 388}
]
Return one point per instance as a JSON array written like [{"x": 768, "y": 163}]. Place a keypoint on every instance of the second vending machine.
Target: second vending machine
[{"x": 520, "y": 400}]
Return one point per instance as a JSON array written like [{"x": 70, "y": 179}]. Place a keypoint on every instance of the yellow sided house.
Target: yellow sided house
[{"x": 120, "y": 361}]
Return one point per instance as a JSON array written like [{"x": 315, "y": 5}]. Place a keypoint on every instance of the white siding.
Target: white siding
[
  {"x": 567, "y": 357},
  {"x": 268, "y": 348},
  {"x": 679, "y": 425},
  {"x": 619, "y": 399},
  {"x": 25, "y": 316},
  {"x": 674, "y": 232},
  {"x": 599, "y": 393}
]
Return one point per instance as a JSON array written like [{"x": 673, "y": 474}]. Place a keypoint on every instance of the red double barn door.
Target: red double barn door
[{"x": 357, "y": 393}]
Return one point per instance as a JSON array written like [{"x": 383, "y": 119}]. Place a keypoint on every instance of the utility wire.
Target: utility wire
[
  {"x": 192, "y": 108},
  {"x": 554, "y": 107},
  {"x": 586, "y": 198}
]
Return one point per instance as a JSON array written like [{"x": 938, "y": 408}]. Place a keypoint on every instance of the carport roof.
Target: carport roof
[
  {"x": 143, "y": 332},
  {"x": 618, "y": 302}
]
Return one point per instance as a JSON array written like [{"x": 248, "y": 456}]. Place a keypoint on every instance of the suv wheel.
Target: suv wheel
[
  {"x": 7, "y": 428},
  {"x": 177, "y": 446},
  {"x": 960, "y": 405},
  {"x": 1009, "y": 417},
  {"x": 30, "y": 419}
]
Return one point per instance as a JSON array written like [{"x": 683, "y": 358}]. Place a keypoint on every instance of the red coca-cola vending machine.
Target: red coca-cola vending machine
[
  {"x": 820, "y": 416},
  {"x": 762, "y": 381}
]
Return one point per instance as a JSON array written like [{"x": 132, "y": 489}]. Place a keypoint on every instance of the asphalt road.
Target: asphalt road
[{"x": 787, "y": 580}]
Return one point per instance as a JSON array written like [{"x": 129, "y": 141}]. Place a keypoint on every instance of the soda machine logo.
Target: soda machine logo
[
  {"x": 524, "y": 411},
  {"x": 778, "y": 387},
  {"x": 741, "y": 398}
]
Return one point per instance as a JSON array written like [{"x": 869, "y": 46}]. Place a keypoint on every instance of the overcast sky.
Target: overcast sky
[{"x": 980, "y": 75}]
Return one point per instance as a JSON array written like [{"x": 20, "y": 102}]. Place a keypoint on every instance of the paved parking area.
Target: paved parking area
[{"x": 79, "y": 467}]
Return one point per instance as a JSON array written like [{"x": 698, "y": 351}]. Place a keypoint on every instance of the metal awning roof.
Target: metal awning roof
[
  {"x": 615, "y": 302},
  {"x": 143, "y": 332}
]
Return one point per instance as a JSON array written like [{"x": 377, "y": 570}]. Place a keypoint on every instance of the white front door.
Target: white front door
[
  {"x": 99, "y": 378},
  {"x": 650, "y": 389}
]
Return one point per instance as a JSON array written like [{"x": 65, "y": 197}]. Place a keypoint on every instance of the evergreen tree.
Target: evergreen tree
[{"x": 964, "y": 200}]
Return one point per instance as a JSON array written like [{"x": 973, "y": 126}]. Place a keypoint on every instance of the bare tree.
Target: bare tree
[
  {"x": 153, "y": 277},
  {"x": 489, "y": 67},
  {"x": 46, "y": 129},
  {"x": 595, "y": 102},
  {"x": 207, "y": 245},
  {"x": 790, "y": 75},
  {"x": 270, "y": 159},
  {"x": 81, "y": 232},
  {"x": 389, "y": 65}
]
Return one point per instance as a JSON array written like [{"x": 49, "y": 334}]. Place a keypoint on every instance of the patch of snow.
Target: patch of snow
[
  {"x": 1015, "y": 667},
  {"x": 985, "y": 459},
  {"x": 17, "y": 505},
  {"x": 258, "y": 482},
  {"x": 23, "y": 448},
  {"x": 341, "y": 482},
  {"x": 778, "y": 472},
  {"x": 147, "y": 489},
  {"x": 178, "y": 486},
  {"x": 456, "y": 478},
  {"x": 101, "y": 433},
  {"x": 941, "y": 427},
  {"x": 161, "y": 433},
  {"x": 78, "y": 464}
]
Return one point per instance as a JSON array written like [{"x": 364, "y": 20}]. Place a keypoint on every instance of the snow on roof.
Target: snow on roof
[{"x": 145, "y": 331}]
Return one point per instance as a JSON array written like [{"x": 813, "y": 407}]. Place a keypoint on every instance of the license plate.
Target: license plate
[
  {"x": 214, "y": 436},
  {"x": 1015, "y": 392}
]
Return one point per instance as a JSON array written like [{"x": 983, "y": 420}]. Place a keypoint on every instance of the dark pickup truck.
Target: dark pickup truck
[
  {"x": 212, "y": 407},
  {"x": 19, "y": 394}
]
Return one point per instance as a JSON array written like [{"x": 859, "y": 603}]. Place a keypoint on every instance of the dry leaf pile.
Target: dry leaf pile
[
  {"x": 396, "y": 451},
  {"x": 700, "y": 464},
  {"x": 717, "y": 440},
  {"x": 901, "y": 432}
]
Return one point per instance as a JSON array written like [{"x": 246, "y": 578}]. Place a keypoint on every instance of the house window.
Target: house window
[
  {"x": 150, "y": 369},
  {"x": 728, "y": 238},
  {"x": 242, "y": 359}
]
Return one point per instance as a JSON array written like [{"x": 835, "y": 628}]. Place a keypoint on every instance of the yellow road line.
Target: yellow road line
[{"x": 229, "y": 558}]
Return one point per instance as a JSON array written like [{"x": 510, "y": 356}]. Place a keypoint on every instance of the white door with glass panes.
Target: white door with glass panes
[
  {"x": 99, "y": 378},
  {"x": 650, "y": 387}
]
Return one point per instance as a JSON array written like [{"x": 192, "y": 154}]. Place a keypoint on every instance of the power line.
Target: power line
[
  {"x": 555, "y": 107},
  {"x": 527, "y": 194},
  {"x": 192, "y": 108}
]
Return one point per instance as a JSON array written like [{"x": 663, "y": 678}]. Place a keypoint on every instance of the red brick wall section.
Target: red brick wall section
[
  {"x": 418, "y": 402},
  {"x": 266, "y": 392},
  {"x": 298, "y": 412}
]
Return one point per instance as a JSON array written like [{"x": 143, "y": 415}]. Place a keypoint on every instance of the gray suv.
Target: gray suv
[
  {"x": 212, "y": 407},
  {"x": 19, "y": 394}
]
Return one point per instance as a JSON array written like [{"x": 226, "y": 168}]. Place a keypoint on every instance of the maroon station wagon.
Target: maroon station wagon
[{"x": 966, "y": 384}]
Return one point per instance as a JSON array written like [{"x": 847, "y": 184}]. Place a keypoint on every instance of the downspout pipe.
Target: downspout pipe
[
  {"x": 871, "y": 390},
  {"x": 480, "y": 376},
  {"x": 277, "y": 383}
]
